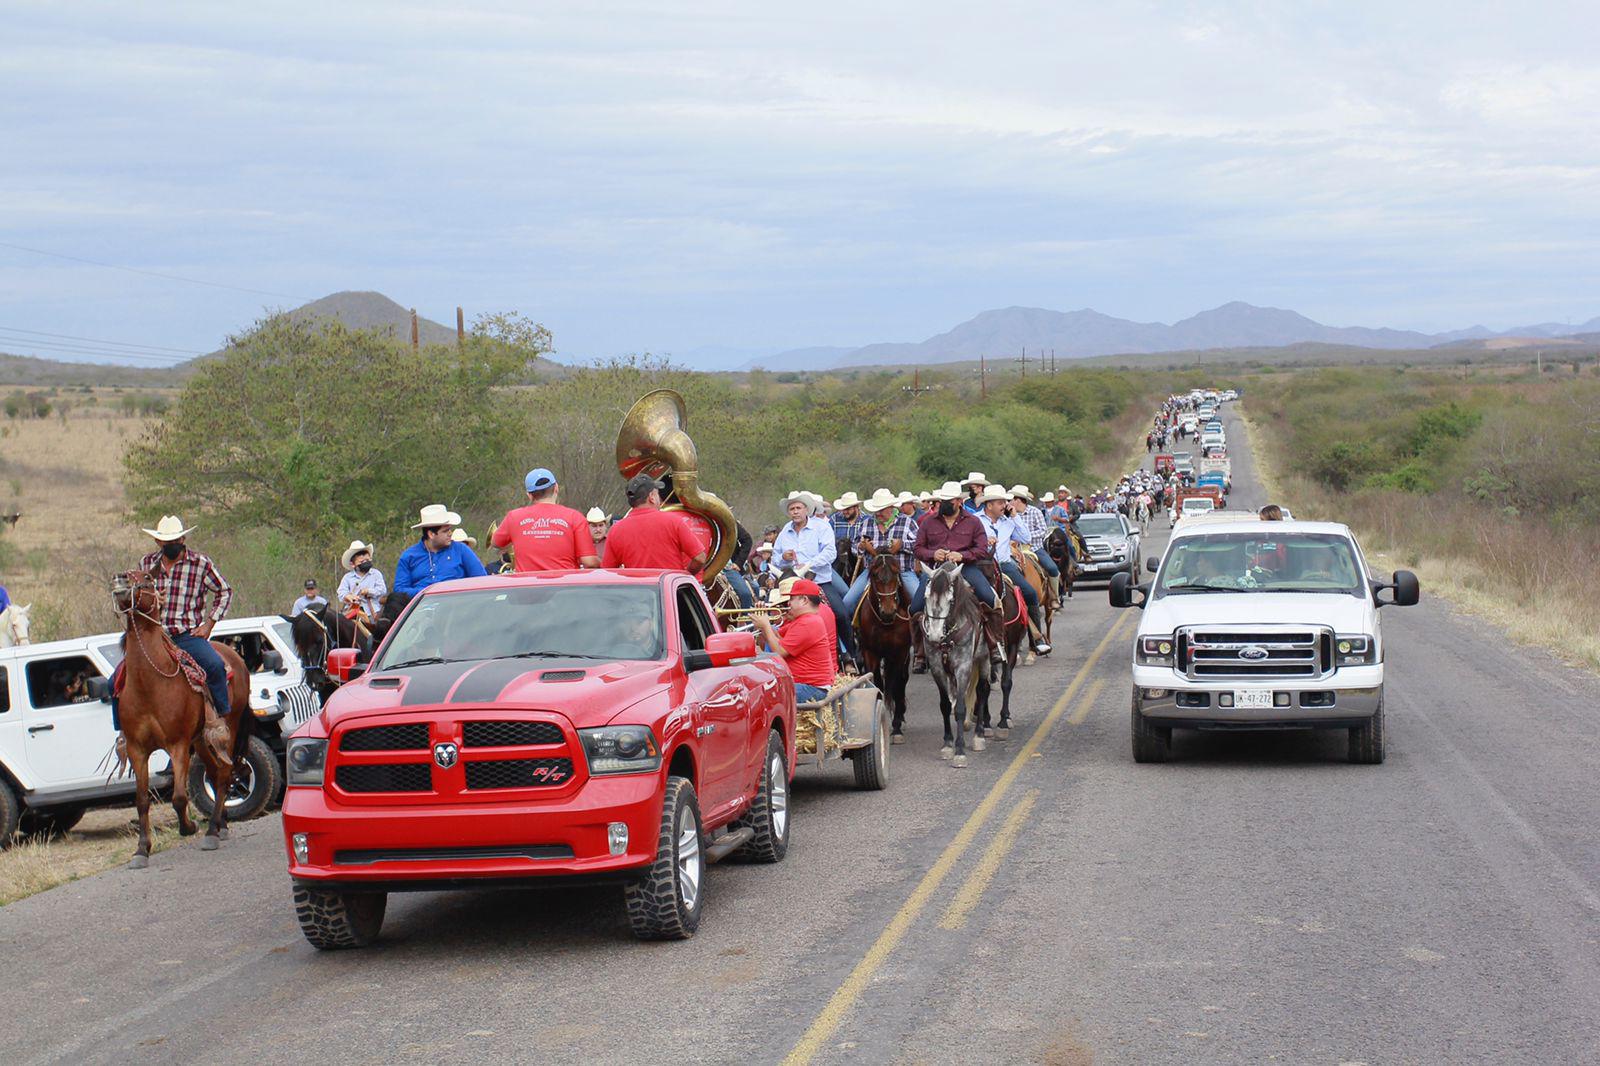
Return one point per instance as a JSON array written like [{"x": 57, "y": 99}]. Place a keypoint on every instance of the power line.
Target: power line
[
  {"x": 70, "y": 349},
  {"x": 96, "y": 340},
  {"x": 153, "y": 273}
]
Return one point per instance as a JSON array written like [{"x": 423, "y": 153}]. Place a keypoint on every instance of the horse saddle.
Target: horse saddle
[{"x": 1008, "y": 590}]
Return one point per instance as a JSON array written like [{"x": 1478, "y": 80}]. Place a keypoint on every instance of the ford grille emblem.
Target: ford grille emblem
[
  {"x": 1255, "y": 653},
  {"x": 444, "y": 755}
]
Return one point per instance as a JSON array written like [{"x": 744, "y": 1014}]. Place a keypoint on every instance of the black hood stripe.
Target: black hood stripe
[
  {"x": 430, "y": 684},
  {"x": 488, "y": 680}
]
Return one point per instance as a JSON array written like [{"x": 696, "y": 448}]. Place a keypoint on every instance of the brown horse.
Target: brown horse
[
  {"x": 883, "y": 634},
  {"x": 159, "y": 711},
  {"x": 1015, "y": 635},
  {"x": 1060, "y": 546},
  {"x": 1045, "y": 587}
]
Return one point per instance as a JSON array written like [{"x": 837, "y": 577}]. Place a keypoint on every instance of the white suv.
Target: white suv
[{"x": 1260, "y": 625}]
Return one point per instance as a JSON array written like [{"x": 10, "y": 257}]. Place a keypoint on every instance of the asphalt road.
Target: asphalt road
[{"x": 1258, "y": 899}]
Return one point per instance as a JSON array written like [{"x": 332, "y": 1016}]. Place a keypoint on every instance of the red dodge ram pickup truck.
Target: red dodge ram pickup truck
[{"x": 594, "y": 725}]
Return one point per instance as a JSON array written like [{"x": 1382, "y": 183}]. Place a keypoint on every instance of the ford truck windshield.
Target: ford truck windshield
[{"x": 1256, "y": 562}]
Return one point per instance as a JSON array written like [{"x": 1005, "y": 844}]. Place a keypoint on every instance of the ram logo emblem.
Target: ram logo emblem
[
  {"x": 444, "y": 755},
  {"x": 1254, "y": 653}
]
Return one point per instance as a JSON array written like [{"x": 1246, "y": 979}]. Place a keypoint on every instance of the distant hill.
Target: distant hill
[
  {"x": 1005, "y": 333},
  {"x": 373, "y": 310},
  {"x": 25, "y": 370}
]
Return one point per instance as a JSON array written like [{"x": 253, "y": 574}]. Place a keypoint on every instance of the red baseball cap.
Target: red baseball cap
[{"x": 804, "y": 588}]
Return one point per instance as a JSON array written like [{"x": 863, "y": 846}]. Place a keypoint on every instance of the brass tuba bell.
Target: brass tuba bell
[{"x": 651, "y": 440}]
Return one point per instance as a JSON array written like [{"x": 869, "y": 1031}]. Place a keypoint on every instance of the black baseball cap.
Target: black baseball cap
[
  {"x": 640, "y": 486},
  {"x": 311, "y": 582}
]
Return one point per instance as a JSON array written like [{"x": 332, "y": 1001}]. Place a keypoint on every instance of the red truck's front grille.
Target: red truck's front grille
[
  {"x": 384, "y": 777},
  {"x": 412, "y": 736},
  {"x": 509, "y": 734},
  {"x": 458, "y": 756},
  {"x": 519, "y": 773}
]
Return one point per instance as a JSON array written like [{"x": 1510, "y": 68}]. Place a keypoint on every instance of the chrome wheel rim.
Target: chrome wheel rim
[
  {"x": 779, "y": 790},
  {"x": 688, "y": 859},
  {"x": 244, "y": 783}
]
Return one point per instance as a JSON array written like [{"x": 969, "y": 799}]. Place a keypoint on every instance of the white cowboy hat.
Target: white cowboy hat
[
  {"x": 849, "y": 499},
  {"x": 950, "y": 490},
  {"x": 437, "y": 514},
  {"x": 975, "y": 478},
  {"x": 461, "y": 536},
  {"x": 764, "y": 546},
  {"x": 800, "y": 495},
  {"x": 1021, "y": 490},
  {"x": 991, "y": 493},
  {"x": 595, "y": 515},
  {"x": 817, "y": 502},
  {"x": 356, "y": 548},
  {"x": 905, "y": 497},
  {"x": 1048, "y": 497},
  {"x": 170, "y": 527},
  {"x": 881, "y": 500}
]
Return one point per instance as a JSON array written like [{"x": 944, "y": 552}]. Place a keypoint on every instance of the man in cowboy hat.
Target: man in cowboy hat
[
  {"x": 599, "y": 528},
  {"x": 544, "y": 534},
  {"x": 846, "y": 513},
  {"x": 648, "y": 538},
  {"x": 885, "y": 531},
  {"x": 184, "y": 579},
  {"x": 975, "y": 484},
  {"x": 311, "y": 598},
  {"x": 803, "y": 641},
  {"x": 434, "y": 557},
  {"x": 1003, "y": 531},
  {"x": 361, "y": 590},
  {"x": 806, "y": 542},
  {"x": 1033, "y": 521}
]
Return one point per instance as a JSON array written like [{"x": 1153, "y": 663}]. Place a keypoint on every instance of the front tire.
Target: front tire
[
  {"x": 50, "y": 822},
  {"x": 1151, "y": 743},
  {"x": 769, "y": 814},
  {"x": 10, "y": 814},
  {"x": 1366, "y": 741},
  {"x": 257, "y": 780},
  {"x": 335, "y": 920},
  {"x": 665, "y": 903}
]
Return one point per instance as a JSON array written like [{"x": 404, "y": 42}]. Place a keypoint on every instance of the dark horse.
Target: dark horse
[
  {"x": 317, "y": 630},
  {"x": 883, "y": 636},
  {"x": 159, "y": 710},
  {"x": 958, "y": 656},
  {"x": 1015, "y": 616},
  {"x": 1056, "y": 543}
]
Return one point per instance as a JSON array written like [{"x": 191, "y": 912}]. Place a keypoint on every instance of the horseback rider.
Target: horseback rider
[
  {"x": 846, "y": 513},
  {"x": 1003, "y": 531},
  {"x": 1038, "y": 529},
  {"x": 184, "y": 580},
  {"x": 884, "y": 531},
  {"x": 544, "y": 534},
  {"x": 648, "y": 538},
  {"x": 362, "y": 588},
  {"x": 954, "y": 534},
  {"x": 975, "y": 484},
  {"x": 434, "y": 557},
  {"x": 806, "y": 541}
]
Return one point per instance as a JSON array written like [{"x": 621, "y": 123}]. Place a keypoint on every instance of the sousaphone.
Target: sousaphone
[{"x": 652, "y": 441}]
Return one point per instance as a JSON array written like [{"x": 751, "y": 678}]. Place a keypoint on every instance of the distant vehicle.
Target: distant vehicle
[
  {"x": 1213, "y": 438},
  {"x": 1231, "y": 394},
  {"x": 1212, "y": 451},
  {"x": 597, "y": 726},
  {"x": 1216, "y": 481},
  {"x": 1186, "y": 504},
  {"x": 1163, "y": 464},
  {"x": 1302, "y": 648},
  {"x": 1214, "y": 426},
  {"x": 1112, "y": 543}
]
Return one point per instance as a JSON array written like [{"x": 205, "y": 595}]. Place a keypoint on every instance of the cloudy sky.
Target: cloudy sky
[{"x": 645, "y": 176}]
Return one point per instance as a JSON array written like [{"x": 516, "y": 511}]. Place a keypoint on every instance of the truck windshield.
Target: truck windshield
[
  {"x": 1261, "y": 562},
  {"x": 528, "y": 621},
  {"x": 1100, "y": 525}
]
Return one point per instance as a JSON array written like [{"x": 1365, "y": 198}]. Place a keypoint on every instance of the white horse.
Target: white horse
[{"x": 14, "y": 625}]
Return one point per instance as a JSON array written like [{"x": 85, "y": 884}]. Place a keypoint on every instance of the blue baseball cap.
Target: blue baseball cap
[{"x": 538, "y": 480}]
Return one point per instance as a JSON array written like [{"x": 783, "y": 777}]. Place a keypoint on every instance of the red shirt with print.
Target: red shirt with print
[
  {"x": 545, "y": 536},
  {"x": 808, "y": 644},
  {"x": 648, "y": 538}
]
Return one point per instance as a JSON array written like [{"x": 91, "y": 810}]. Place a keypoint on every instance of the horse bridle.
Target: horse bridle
[
  {"x": 882, "y": 596},
  {"x": 146, "y": 580}
]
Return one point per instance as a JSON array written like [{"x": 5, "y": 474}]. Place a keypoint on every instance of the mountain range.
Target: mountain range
[{"x": 1007, "y": 332}]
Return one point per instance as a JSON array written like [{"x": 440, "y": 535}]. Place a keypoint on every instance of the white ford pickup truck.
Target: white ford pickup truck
[{"x": 1260, "y": 625}]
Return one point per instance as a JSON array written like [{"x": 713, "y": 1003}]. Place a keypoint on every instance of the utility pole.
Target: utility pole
[
  {"x": 413, "y": 329},
  {"x": 1024, "y": 360},
  {"x": 916, "y": 388},
  {"x": 983, "y": 378},
  {"x": 461, "y": 329},
  {"x": 1052, "y": 362},
  {"x": 1539, "y": 363}
]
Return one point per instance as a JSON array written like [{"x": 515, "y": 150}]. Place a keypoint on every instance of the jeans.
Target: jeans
[
  {"x": 858, "y": 589},
  {"x": 808, "y": 693},
  {"x": 201, "y": 652},
  {"x": 834, "y": 592},
  {"x": 1014, "y": 572},
  {"x": 1047, "y": 564},
  {"x": 974, "y": 576},
  {"x": 741, "y": 587}
]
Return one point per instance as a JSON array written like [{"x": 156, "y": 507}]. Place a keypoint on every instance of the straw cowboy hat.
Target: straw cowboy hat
[
  {"x": 170, "y": 527},
  {"x": 950, "y": 490},
  {"x": 975, "y": 478},
  {"x": 1048, "y": 497},
  {"x": 461, "y": 536},
  {"x": 595, "y": 515},
  {"x": 905, "y": 497},
  {"x": 437, "y": 514},
  {"x": 801, "y": 495},
  {"x": 356, "y": 548},
  {"x": 1022, "y": 491},
  {"x": 881, "y": 500},
  {"x": 848, "y": 500},
  {"x": 991, "y": 493}
]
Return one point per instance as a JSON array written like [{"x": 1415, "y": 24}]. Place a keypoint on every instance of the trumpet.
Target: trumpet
[{"x": 742, "y": 612}]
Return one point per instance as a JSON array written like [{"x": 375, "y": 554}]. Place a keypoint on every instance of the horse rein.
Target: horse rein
[{"x": 147, "y": 581}]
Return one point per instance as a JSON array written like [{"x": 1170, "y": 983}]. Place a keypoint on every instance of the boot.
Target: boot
[
  {"x": 919, "y": 657},
  {"x": 1036, "y": 630},
  {"x": 994, "y": 631}
]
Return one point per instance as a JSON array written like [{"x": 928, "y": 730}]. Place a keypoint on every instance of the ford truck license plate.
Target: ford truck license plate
[{"x": 1252, "y": 697}]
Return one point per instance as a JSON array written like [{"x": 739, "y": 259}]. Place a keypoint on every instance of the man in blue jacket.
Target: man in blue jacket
[{"x": 435, "y": 557}]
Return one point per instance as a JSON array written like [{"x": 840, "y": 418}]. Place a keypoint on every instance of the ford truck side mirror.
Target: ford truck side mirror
[
  {"x": 1407, "y": 590},
  {"x": 1152, "y": 564},
  {"x": 1122, "y": 589}
]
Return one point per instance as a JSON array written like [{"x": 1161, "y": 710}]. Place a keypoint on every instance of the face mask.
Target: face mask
[
  {"x": 364, "y": 566},
  {"x": 172, "y": 550},
  {"x": 947, "y": 508}
]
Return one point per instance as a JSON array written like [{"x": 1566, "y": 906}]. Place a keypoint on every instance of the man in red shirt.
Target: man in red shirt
[
  {"x": 648, "y": 538},
  {"x": 545, "y": 535},
  {"x": 805, "y": 642}
]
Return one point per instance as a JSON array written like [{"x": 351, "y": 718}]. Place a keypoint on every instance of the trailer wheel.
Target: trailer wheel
[{"x": 872, "y": 761}]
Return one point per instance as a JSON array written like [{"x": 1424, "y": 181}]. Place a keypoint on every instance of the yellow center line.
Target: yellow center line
[
  {"x": 1086, "y": 704},
  {"x": 845, "y": 997},
  {"x": 972, "y": 889}
]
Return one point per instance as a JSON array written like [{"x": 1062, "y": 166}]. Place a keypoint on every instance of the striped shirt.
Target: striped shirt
[
  {"x": 902, "y": 529},
  {"x": 184, "y": 585}
]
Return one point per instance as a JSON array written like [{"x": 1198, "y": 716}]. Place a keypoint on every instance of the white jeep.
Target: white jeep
[
  {"x": 1260, "y": 625},
  {"x": 56, "y": 735}
]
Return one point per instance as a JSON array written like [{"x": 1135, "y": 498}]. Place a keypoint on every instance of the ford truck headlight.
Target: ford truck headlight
[
  {"x": 1355, "y": 650},
  {"x": 620, "y": 749},
  {"x": 305, "y": 759},
  {"x": 1155, "y": 651}
]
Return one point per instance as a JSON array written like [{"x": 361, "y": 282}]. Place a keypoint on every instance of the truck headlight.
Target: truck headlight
[
  {"x": 620, "y": 749},
  {"x": 1155, "y": 651},
  {"x": 1355, "y": 650},
  {"x": 305, "y": 758}
]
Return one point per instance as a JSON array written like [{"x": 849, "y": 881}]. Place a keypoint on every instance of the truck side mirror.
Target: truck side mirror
[
  {"x": 272, "y": 662},
  {"x": 100, "y": 689},
  {"x": 1152, "y": 564},
  {"x": 1122, "y": 589},
  {"x": 1407, "y": 590}
]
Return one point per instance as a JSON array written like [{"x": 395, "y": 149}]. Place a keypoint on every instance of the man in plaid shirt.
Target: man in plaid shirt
[
  {"x": 185, "y": 578},
  {"x": 883, "y": 530},
  {"x": 1038, "y": 528}
]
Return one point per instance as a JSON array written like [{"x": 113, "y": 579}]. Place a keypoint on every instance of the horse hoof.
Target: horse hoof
[
  {"x": 898, "y": 738},
  {"x": 187, "y": 830},
  {"x": 1030, "y": 660},
  {"x": 210, "y": 843},
  {"x": 945, "y": 752},
  {"x": 1002, "y": 733},
  {"x": 222, "y": 834},
  {"x": 959, "y": 762},
  {"x": 138, "y": 862},
  {"x": 979, "y": 744}
]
